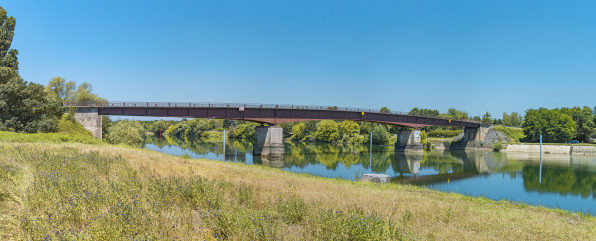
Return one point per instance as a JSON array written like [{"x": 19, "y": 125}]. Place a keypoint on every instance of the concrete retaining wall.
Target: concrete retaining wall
[
  {"x": 584, "y": 149},
  {"x": 463, "y": 146},
  {"x": 536, "y": 148}
]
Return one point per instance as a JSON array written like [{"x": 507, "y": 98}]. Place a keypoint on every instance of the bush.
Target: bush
[
  {"x": 298, "y": 131},
  {"x": 379, "y": 135},
  {"x": 358, "y": 139},
  {"x": 423, "y": 136},
  {"x": 328, "y": 131},
  {"x": 427, "y": 144},
  {"x": 245, "y": 131},
  {"x": 444, "y": 133},
  {"x": 498, "y": 146},
  {"x": 69, "y": 125},
  {"x": 127, "y": 132}
]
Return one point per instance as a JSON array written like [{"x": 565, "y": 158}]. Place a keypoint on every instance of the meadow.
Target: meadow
[{"x": 74, "y": 191}]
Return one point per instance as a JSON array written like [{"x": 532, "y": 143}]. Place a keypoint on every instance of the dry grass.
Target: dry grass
[
  {"x": 422, "y": 213},
  {"x": 426, "y": 214}
]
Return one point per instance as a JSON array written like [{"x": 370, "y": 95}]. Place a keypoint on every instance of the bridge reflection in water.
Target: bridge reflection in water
[{"x": 463, "y": 165}]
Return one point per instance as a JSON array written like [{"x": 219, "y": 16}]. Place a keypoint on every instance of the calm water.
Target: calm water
[{"x": 566, "y": 182}]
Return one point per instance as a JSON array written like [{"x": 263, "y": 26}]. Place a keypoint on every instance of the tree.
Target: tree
[
  {"x": 349, "y": 128},
  {"x": 26, "y": 106},
  {"x": 428, "y": 112},
  {"x": 327, "y": 131},
  {"x": 554, "y": 125},
  {"x": 64, "y": 90},
  {"x": 379, "y": 134},
  {"x": 23, "y": 106},
  {"x": 126, "y": 132},
  {"x": 298, "y": 131},
  {"x": 515, "y": 119},
  {"x": 8, "y": 57},
  {"x": 487, "y": 117},
  {"x": 245, "y": 131},
  {"x": 70, "y": 92},
  {"x": 385, "y": 110},
  {"x": 584, "y": 122}
]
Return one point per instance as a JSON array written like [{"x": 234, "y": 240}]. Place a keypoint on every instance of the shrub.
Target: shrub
[
  {"x": 68, "y": 125},
  {"x": 444, "y": 133},
  {"x": 127, "y": 132},
  {"x": 423, "y": 136},
  {"x": 498, "y": 146},
  {"x": 358, "y": 139},
  {"x": 245, "y": 131},
  {"x": 328, "y": 131},
  {"x": 298, "y": 131},
  {"x": 379, "y": 135},
  {"x": 427, "y": 144}
]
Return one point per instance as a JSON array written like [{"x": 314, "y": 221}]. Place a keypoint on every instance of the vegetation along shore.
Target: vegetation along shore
[{"x": 140, "y": 194}]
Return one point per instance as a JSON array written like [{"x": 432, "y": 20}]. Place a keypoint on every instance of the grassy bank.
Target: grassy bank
[
  {"x": 79, "y": 191},
  {"x": 12, "y": 137}
]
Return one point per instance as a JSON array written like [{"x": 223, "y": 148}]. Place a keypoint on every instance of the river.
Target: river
[{"x": 563, "y": 181}]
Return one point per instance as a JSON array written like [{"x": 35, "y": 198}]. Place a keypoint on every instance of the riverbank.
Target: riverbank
[{"x": 138, "y": 192}]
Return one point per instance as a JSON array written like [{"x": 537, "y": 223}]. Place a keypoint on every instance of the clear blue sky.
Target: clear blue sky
[{"x": 475, "y": 56}]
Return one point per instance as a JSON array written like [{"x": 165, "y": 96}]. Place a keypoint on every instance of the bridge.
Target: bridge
[{"x": 272, "y": 114}]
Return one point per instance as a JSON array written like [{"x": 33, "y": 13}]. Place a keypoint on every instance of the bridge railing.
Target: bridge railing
[{"x": 247, "y": 105}]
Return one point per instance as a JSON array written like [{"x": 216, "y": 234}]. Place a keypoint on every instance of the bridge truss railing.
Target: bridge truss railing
[{"x": 245, "y": 105}]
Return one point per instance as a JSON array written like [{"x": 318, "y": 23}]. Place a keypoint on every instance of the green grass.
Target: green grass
[
  {"x": 6, "y": 136},
  {"x": 64, "y": 193},
  {"x": 105, "y": 192},
  {"x": 516, "y": 134}
]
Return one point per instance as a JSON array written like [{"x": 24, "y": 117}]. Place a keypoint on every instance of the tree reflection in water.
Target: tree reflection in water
[{"x": 562, "y": 177}]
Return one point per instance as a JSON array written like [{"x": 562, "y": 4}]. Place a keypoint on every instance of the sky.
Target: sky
[{"x": 475, "y": 56}]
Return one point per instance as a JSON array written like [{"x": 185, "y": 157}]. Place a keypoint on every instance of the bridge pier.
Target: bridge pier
[
  {"x": 90, "y": 119},
  {"x": 268, "y": 141},
  {"x": 408, "y": 140},
  {"x": 475, "y": 134}
]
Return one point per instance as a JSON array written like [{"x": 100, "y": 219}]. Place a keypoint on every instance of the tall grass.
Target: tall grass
[
  {"x": 7, "y": 136},
  {"x": 65, "y": 193}
]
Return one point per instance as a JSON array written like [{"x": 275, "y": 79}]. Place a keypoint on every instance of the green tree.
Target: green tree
[
  {"x": 64, "y": 90},
  {"x": 127, "y": 132},
  {"x": 554, "y": 125},
  {"x": 245, "y": 131},
  {"x": 385, "y": 110},
  {"x": 428, "y": 112},
  {"x": 487, "y": 117},
  {"x": 8, "y": 56},
  {"x": 349, "y": 128},
  {"x": 514, "y": 119},
  {"x": 70, "y": 92},
  {"x": 23, "y": 106},
  {"x": 327, "y": 131},
  {"x": 584, "y": 122},
  {"x": 457, "y": 114},
  {"x": 298, "y": 131},
  {"x": 379, "y": 134},
  {"x": 106, "y": 123}
]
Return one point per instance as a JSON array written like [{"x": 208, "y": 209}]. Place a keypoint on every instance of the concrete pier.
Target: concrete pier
[
  {"x": 476, "y": 134},
  {"x": 268, "y": 141},
  {"x": 408, "y": 140},
  {"x": 90, "y": 119}
]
